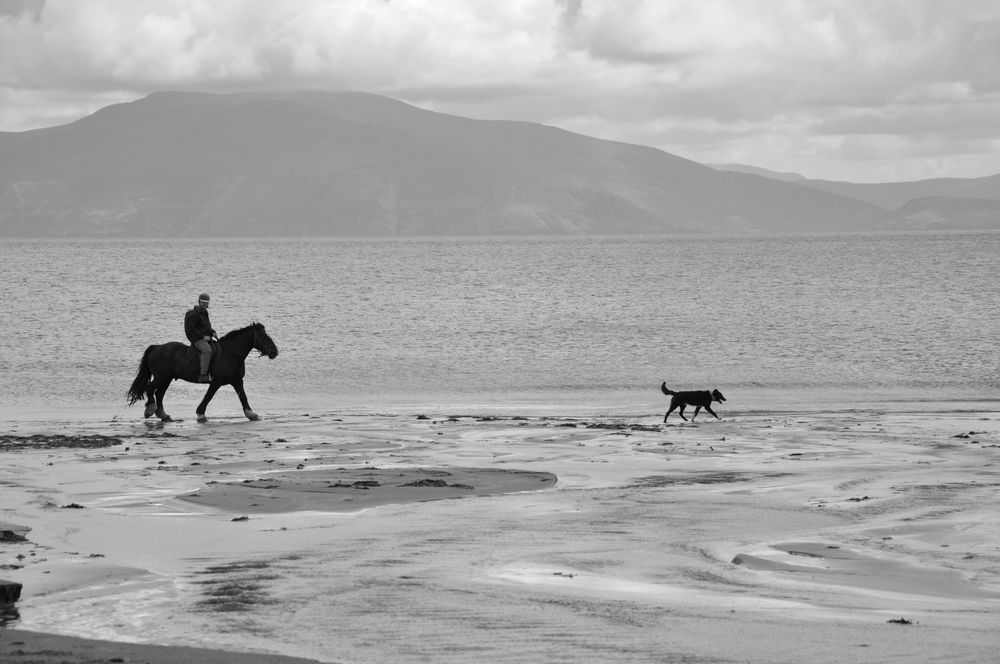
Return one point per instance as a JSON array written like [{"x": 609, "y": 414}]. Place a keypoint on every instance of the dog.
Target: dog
[{"x": 698, "y": 399}]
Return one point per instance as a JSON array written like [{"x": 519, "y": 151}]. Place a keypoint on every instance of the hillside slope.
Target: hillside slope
[{"x": 354, "y": 164}]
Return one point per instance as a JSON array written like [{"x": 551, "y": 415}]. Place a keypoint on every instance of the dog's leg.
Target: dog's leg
[
  {"x": 681, "y": 412},
  {"x": 709, "y": 409},
  {"x": 697, "y": 409},
  {"x": 672, "y": 406}
]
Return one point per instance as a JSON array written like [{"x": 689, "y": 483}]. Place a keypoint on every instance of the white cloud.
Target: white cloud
[{"x": 780, "y": 83}]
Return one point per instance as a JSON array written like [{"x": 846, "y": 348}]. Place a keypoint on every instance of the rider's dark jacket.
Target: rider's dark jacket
[{"x": 196, "y": 324}]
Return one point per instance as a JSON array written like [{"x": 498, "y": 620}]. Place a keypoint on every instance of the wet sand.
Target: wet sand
[
  {"x": 24, "y": 647},
  {"x": 764, "y": 537}
]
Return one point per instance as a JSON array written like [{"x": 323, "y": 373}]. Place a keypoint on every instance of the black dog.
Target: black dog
[{"x": 698, "y": 399}]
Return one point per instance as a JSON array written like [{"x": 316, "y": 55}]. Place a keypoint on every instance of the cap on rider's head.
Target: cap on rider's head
[{"x": 204, "y": 298}]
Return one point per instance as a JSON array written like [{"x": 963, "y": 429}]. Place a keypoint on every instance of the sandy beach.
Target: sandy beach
[{"x": 857, "y": 535}]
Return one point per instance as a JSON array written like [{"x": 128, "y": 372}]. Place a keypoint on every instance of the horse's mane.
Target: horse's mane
[{"x": 234, "y": 333}]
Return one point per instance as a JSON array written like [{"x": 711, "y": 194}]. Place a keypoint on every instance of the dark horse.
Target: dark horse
[{"x": 162, "y": 363}]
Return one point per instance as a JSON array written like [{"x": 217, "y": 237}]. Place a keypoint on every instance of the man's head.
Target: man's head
[{"x": 203, "y": 300}]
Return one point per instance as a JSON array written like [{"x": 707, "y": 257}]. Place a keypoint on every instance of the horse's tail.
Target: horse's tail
[
  {"x": 138, "y": 390},
  {"x": 663, "y": 388}
]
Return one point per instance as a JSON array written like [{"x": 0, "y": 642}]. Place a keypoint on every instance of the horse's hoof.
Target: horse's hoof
[
  {"x": 149, "y": 412},
  {"x": 202, "y": 417},
  {"x": 166, "y": 418},
  {"x": 252, "y": 416}
]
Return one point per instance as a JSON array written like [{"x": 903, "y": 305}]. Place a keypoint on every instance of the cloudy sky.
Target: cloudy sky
[{"x": 860, "y": 90}]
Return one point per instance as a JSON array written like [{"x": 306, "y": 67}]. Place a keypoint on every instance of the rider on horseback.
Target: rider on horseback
[{"x": 198, "y": 329}]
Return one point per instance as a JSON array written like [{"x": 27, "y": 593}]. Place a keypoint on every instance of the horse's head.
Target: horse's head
[{"x": 263, "y": 343}]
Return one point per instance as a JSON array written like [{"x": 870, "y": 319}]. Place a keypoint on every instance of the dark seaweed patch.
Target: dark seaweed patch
[
  {"x": 653, "y": 481},
  {"x": 47, "y": 441}
]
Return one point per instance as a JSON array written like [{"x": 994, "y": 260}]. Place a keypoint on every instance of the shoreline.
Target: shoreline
[
  {"x": 630, "y": 403},
  {"x": 828, "y": 525}
]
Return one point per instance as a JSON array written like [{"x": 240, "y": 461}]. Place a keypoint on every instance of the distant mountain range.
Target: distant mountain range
[
  {"x": 938, "y": 204},
  {"x": 313, "y": 164}
]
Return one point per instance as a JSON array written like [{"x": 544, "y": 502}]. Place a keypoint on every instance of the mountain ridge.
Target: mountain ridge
[{"x": 284, "y": 164}]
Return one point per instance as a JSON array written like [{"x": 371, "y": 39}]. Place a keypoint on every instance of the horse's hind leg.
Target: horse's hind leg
[
  {"x": 158, "y": 392},
  {"x": 150, "y": 401}
]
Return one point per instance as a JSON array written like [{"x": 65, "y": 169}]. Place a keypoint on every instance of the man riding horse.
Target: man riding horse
[
  {"x": 162, "y": 364},
  {"x": 198, "y": 329}
]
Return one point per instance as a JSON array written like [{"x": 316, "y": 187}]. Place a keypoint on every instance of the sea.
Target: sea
[{"x": 533, "y": 324}]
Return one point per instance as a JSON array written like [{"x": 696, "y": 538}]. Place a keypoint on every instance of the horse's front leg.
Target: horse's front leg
[
  {"x": 242, "y": 394},
  {"x": 200, "y": 411}
]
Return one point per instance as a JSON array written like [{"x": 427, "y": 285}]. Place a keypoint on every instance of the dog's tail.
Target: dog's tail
[{"x": 663, "y": 388}]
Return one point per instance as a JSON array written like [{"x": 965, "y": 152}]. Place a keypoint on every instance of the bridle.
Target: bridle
[
  {"x": 253, "y": 343},
  {"x": 254, "y": 346}
]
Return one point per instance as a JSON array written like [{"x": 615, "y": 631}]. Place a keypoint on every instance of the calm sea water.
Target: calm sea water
[{"x": 551, "y": 323}]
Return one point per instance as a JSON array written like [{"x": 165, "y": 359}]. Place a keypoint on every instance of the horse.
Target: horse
[{"x": 162, "y": 363}]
